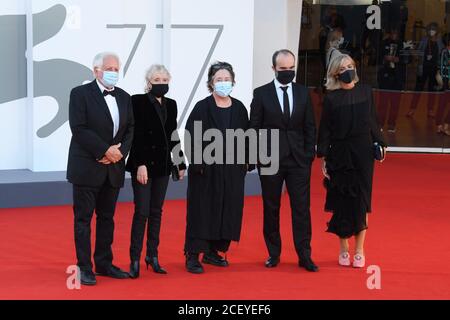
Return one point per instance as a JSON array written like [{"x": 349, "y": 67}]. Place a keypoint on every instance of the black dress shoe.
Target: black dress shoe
[
  {"x": 113, "y": 272},
  {"x": 309, "y": 265},
  {"x": 193, "y": 265},
  {"x": 134, "y": 269},
  {"x": 153, "y": 262},
  {"x": 215, "y": 259},
  {"x": 272, "y": 262},
  {"x": 87, "y": 278}
]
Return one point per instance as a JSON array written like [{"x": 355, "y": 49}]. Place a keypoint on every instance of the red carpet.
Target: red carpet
[{"x": 408, "y": 238}]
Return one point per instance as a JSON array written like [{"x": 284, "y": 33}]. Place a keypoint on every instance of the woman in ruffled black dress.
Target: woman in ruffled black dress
[{"x": 348, "y": 131}]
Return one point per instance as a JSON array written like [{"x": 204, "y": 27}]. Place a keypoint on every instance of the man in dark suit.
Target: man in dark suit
[
  {"x": 101, "y": 121},
  {"x": 285, "y": 106}
]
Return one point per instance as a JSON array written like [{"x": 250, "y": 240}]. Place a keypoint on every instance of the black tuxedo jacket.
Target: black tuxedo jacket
[
  {"x": 152, "y": 143},
  {"x": 92, "y": 134},
  {"x": 296, "y": 137}
]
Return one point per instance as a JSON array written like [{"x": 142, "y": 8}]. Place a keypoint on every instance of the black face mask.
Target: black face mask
[
  {"x": 347, "y": 76},
  {"x": 285, "y": 76},
  {"x": 159, "y": 90}
]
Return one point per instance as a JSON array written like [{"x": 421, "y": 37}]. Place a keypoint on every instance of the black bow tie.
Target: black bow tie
[{"x": 106, "y": 92}]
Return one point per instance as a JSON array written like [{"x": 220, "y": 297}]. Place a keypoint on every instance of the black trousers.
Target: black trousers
[
  {"x": 148, "y": 203},
  {"x": 298, "y": 186},
  {"x": 103, "y": 200}
]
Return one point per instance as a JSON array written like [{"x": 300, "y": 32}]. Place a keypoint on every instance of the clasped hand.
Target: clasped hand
[{"x": 112, "y": 155}]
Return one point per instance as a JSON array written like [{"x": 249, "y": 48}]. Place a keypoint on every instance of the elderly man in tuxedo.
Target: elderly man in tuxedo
[{"x": 101, "y": 121}]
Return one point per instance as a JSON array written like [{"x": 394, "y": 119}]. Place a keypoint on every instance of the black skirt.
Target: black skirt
[{"x": 347, "y": 132}]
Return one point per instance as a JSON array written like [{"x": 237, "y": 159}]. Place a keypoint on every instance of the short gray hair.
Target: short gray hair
[
  {"x": 99, "y": 59},
  {"x": 333, "y": 82},
  {"x": 155, "y": 68}
]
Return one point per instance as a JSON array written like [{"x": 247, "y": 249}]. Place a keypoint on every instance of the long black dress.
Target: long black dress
[
  {"x": 215, "y": 195},
  {"x": 348, "y": 129}
]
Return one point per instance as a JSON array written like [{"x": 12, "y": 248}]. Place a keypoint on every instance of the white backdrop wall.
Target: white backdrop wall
[
  {"x": 88, "y": 28},
  {"x": 193, "y": 37},
  {"x": 13, "y": 101},
  {"x": 277, "y": 26},
  {"x": 67, "y": 34}
]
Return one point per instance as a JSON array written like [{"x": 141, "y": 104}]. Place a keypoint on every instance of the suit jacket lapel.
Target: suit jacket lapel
[
  {"x": 100, "y": 99},
  {"x": 123, "y": 109},
  {"x": 274, "y": 97},
  {"x": 295, "y": 99},
  {"x": 158, "y": 112}
]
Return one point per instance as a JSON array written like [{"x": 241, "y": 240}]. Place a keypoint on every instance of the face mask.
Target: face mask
[
  {"x": 223, "y": 88},
  {"x": 432, "y": 33},
  {"x": 285, "y": 76},
  {"x": 159, "y": 90},
  {"x": 347, "y": 76},
  {"x": 110, "y": 78}
]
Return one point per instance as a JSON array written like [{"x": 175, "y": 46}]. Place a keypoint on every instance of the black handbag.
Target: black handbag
[{"x": 378, "y": 151}]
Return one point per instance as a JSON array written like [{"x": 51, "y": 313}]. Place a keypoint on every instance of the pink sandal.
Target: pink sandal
[
  {"x": 344, "y": 259},
  {"x": 359, "y": 261}
]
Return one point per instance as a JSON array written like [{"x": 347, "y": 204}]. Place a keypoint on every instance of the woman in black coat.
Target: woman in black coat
[
  {"x": 347, "y": 132},
  {"x": 215, "y": 195},
  {"x": 150, "y": 164}
]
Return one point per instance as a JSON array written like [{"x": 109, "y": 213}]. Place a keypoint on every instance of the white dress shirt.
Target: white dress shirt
[
  {"x": 280, "y": 93},
  {"x": 113, "y": 108}
]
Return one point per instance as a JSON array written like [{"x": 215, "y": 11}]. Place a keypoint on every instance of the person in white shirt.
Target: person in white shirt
[
  {"x": 101, "y": 121},
  {"x": 285, "y": 106}
]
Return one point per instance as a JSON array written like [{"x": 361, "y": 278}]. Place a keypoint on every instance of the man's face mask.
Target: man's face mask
[
  {"x": 285, "y": 76},
  {"x": 110, "y": 78}
]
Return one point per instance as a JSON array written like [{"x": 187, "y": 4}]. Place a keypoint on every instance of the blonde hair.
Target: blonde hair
[
  {"x": 154, "y": 69},
  {"x": 334, "y": 67}
]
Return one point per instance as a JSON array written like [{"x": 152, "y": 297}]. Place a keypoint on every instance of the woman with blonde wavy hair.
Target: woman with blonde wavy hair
[{"x": 347, "y": 133}]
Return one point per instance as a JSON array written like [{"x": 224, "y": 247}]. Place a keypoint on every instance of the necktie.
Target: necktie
[
  {"x": 106, "y": 92},
  {"x": 286, "y": 111}
]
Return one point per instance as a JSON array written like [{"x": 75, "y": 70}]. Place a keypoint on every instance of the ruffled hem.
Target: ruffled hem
[
  {"x": 345, "y": 196},
  {"x": 345, "y": 235},
  {"x": 348, "y": 208},
  {"x": 349, "y": 217}
]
